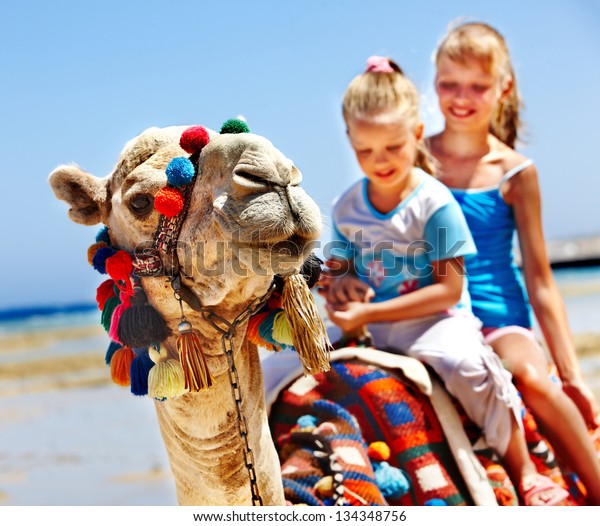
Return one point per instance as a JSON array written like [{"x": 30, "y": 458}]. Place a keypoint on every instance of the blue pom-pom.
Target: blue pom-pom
[
  {"x": 140, "y": 367},
  {"x": 307, "y": 421},
  {"x": 100, "y": 257},
  {"x": 102, "y": 236},
  {"x": 435, "y": 502},
  {"x": 112, "y": 348},
  {"x": 391, "y": 481},
  {"x": 180, "y": 172}
]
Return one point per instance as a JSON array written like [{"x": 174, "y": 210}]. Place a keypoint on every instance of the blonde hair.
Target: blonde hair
[
  {"x": 375, "y": 95},
  {"x": 480, "y": 41}
]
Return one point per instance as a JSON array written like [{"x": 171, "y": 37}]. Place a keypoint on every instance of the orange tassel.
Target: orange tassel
[
  {"x": 195, "y": 369},
  {"x": 120, "y": 365}
]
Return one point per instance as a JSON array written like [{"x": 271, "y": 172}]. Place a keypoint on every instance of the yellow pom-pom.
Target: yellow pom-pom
[
  {"x": 93, "y": 249},
  {"x": 282, "y": 330},
  {"x": 324, "y": 487},
  {"x": 378, "y": 451}
]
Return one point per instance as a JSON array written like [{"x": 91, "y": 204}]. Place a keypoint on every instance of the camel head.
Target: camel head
[{"x": 247, "y": 218}]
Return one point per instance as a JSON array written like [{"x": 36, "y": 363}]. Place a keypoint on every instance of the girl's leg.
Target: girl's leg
[
  {"x": 474, "y": 375},
  {"x": 556, "y": 413}
]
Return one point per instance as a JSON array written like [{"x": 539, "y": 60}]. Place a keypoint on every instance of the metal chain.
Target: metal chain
[{"x": 228, "y": 330}]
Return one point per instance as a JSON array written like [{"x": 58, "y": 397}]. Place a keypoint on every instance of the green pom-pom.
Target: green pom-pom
[{"x": 234, "y": 126}]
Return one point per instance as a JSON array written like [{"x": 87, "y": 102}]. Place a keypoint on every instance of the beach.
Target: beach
[{"x": 69, "y": 436}]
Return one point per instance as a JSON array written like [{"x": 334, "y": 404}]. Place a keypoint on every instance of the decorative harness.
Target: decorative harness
[{"x": 284, "y": 316}]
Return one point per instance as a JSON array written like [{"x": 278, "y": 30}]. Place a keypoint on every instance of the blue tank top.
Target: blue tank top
[{"x": 498, "y": 295}]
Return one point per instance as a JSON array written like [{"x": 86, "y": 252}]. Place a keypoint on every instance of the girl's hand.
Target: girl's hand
[
  {"x": 583, "y": 397},
  {"x": 348, "y": 316},
  {"x": 348, "y": 288}
]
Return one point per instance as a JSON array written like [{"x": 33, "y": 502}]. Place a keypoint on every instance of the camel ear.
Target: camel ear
[{"x": 85, "y": 193}]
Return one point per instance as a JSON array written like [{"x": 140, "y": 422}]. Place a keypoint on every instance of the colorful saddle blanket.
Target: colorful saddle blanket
[{"x": 360, "y": 435}]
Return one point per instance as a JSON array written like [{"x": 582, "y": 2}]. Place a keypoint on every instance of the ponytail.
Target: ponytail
[{"x": 506, "y": 124}]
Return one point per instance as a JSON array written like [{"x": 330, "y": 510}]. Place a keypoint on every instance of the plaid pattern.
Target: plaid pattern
[
  {"x": 352, "y": 398},
  {"x": 356, "y": 404}
]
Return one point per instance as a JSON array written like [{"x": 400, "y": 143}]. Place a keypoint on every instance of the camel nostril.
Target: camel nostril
[{"x": 250, "y": 181}]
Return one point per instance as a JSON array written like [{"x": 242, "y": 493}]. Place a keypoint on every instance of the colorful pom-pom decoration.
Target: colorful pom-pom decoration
[
  {"x": 234, "y": 126},
  {"x": 307, "y": 421},
  {"x": 100, "y": 257},
  {"x": 120, "y": 366},
  {"x": 180, "y": 172},
  {"x": 93, "y": 249},
  {"x": 392, "y": 481},
  {"x": 168, "y": 201},
  {"x": 435, "y": 502},
  {"x": 105, "y": 290},
  {"x": 378, "y": 451},
  {"x": 194, "y": 139},
  {"x": 119, "y": 266},
  {"x": 139, "y": 371},
  {"x": 103, "y": 236},
  {"x": 109, "y": 307},
  {"x": 113, "y": 347}
]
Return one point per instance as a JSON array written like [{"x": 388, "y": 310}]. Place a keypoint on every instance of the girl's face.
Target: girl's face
[
  {"x": 467, "y": 93},
  {"x": 386, "y": 152}
]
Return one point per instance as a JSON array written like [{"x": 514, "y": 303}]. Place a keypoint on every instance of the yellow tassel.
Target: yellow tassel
[
  {"x": 166, "y": 378},
  {"x": 195, "y": 369},
  {"x": 282, "y": 331},
  {"x": 308, "y": 332}
]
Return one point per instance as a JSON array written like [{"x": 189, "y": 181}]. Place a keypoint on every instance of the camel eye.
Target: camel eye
[{"x": 141, "y": 204}]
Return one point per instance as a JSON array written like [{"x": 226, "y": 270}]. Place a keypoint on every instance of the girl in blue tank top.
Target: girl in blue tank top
[{"x": 497, "y": 189}]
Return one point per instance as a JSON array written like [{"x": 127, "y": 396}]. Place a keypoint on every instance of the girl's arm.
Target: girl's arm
[
  {"x": 441, "y": 295},
  {"x": 523, "y": 193}
]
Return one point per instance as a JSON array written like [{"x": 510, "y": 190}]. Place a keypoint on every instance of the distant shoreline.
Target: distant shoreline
[{"x": 574, "y": 252}]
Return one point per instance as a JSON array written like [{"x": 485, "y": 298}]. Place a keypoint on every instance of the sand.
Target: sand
[{"x": 72, "y": 437}]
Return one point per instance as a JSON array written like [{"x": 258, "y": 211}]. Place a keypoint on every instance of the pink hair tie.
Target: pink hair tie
[{"x": 376, "y": 64}]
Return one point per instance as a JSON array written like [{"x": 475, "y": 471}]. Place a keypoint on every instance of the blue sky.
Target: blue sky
[{"x": 79, "y": 79}]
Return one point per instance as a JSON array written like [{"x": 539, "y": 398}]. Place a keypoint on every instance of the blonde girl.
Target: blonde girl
[
  {"x": 400, "y": 243},
  {"x": 498, "y": 191}
]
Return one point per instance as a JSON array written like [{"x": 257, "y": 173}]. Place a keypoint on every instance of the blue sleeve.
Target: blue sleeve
[
  {"x": 447, "y": 233},
  {"x": 340, "y": 247}
]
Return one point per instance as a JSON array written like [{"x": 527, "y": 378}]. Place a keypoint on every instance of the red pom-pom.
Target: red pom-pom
[
  {"x": 194, "y": 139},
  {"x": 168, "y": 201},
  {"x": 119, "y": 266},
  {"x": 104, "y": 291}
]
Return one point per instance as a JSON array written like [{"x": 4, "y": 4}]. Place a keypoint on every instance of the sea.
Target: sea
[{"x": 579, "y": 287}]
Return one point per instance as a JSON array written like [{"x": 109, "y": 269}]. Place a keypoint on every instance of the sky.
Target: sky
[{"x": 80, "y": 79}]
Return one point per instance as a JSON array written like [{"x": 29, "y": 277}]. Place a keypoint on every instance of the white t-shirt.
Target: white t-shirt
[{"x": 393, "y": 252}]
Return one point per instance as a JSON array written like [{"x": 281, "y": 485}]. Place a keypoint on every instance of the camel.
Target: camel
[{"x": 247, "y": 221}]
